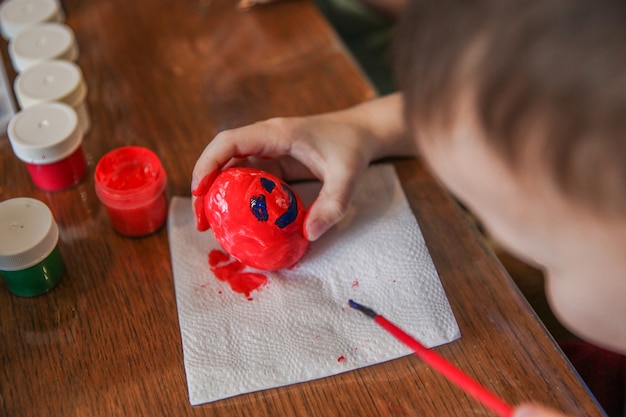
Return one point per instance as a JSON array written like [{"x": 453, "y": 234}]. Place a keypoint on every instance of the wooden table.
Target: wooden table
[{"x": 168, "y": 75}]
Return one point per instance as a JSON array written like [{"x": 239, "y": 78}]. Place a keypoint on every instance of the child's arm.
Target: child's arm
[{"x": 333, "y": 147}]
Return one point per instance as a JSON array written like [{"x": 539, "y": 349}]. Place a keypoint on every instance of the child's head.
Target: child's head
[{"x": 519, "y": 106}]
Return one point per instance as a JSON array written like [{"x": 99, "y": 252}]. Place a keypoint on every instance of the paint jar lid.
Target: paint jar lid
[
  {"x": 17, "y": 15},
  {"x": 129, "y": 176},
  {"x": 44, "y": 133},
  {"x": 55, "y": 80},
  {"x": 28, "y": 233},
  {"x": 42, "y": 42}
]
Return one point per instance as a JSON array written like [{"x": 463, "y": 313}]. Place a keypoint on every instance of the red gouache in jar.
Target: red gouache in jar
[
  {"x": 130, "y": 182},
  {"x": 61, "y": 174},
  {"x": 46, "y": 137}
]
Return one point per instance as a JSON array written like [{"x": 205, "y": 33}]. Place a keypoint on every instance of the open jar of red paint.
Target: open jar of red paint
[
  {"x": 47, "y": 138},
  {"x": 130, "y": 181}
]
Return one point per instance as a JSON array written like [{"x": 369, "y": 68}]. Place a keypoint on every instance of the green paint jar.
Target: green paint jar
[{"x": 30, "y": 261}]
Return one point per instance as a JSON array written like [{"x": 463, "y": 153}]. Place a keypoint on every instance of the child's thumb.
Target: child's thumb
[{"x": 323, "y": 214}]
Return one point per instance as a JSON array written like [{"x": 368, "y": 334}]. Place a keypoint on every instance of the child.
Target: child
[{"x": 518, "y": 107}]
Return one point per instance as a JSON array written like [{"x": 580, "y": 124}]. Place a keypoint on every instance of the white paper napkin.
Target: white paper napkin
[{"x": 299, "y": 327}]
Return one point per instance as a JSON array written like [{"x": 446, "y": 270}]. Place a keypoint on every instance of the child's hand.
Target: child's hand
[
  {"x": 303, "y": 148},
  {"x": 334, "y": 148},
  {"x": 534, "y": 410}
]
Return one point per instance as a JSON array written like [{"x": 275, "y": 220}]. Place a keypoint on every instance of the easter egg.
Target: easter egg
[{"x": 257, "y": 218}]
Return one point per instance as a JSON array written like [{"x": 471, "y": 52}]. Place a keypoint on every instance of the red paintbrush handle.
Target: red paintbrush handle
[{"x": 450, "y": 371}]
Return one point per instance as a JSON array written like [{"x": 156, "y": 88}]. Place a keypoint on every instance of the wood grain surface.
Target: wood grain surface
[{"x": 169, "y": 75}]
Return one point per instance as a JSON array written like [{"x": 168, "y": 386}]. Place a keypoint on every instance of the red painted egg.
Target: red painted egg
[{"x": 257, "y": 218}]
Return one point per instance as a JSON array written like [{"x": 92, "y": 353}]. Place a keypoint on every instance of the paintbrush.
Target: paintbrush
[{"x": 454, "y": 374}]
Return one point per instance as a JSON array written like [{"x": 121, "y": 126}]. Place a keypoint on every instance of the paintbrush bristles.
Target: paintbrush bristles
[{"x": 365, "y": 310}]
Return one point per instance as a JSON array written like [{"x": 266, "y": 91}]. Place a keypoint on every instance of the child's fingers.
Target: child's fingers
[
  {"x": 329, "y": 207},
  {"x": 254, "y": 139}
]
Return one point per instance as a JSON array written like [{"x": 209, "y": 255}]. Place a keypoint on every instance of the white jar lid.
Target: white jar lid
[
  {"x": 55, "y": 80},
  {"x": 17, "y": 15},
  {"x": 28, "y": 233},
  {"x": 42, "y": 42},
  {"x": 44, "y": 133}
]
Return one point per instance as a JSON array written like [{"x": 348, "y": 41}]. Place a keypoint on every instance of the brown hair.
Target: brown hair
[{"x": 556, "y": 65}]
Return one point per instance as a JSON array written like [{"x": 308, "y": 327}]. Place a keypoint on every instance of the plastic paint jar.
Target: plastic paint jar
[
  {"x": 47, "y": 138},
  {"x": 55, "y": 80},
  {"x": 42, "y": 42},
  {"x": 30, "y": 260},
  {"x": 130, "y": 181},
  {"x": 17, "y": 15}
]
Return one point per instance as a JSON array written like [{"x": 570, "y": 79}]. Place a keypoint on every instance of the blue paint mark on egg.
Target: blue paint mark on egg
[
  {"x": 290, "y": 215},
  {"x": 268, "y": 184},
  {"x": 258, "y": 207}
]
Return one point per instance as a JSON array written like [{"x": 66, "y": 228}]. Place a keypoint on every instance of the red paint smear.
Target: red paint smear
[
  {"x": 341, "y": 358},
  {"x": 202, "y": 224},
  {"x": 205, "y": 184},
  {"x": 217, "y": 257},
  {"x": 224, "y": 272},
  {"x": 245, "y": 283},
  {"x": 241, "y": 282},
  {"x": 355, "y": 283}
]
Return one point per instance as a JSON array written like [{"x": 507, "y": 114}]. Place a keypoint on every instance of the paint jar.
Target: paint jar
[
  {"x": 42, "y": 42},
  {"x": 47, "y": 139},
  {"x": 17, "y": 15},
  {"x": 54, "y": 80},
  {"x": 130, "y": 181},
  {"x": 30, "y": 260}
]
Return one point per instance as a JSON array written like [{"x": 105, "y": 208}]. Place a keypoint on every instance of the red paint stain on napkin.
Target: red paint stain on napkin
[{"x": 233, "y": 273}]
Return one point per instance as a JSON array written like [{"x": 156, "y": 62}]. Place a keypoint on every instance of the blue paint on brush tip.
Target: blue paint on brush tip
[{"x": 365, "y": 310}]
